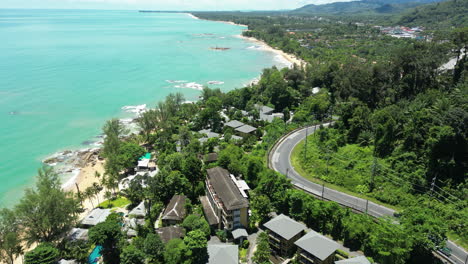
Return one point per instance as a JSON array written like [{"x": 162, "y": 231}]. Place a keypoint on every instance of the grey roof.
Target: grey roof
[
  {"x": 211, "y": 157},
  {"x": 175, "y": 210},
  {"x": 170, "y": 232},
  {"x": 96, "y": 216},
  {"x": 266, "y": 118},
  {"x": 317, "y": 245},
  {"x": 139, "y": 210},
  {"x": 226, "y": 189},
  {"x": 210, "y": 214},
  {"x": 356, "y": 260},
  {"x": 246, "y": 129},
  {"x": 239, "y": 232},
  {"x": 78, "y": 234},
  {"x": 234, "y": 137},
  {"x": 264, "y": 109},
  {"x": 209, "y": 133},
  {"x": 284, "y": 226},
  {"x": 223, "y": 254},
  {"x": 234, "y": 124}
]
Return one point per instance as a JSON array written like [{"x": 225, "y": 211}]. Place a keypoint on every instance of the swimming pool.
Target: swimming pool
[{"x": 93, "y": 257}]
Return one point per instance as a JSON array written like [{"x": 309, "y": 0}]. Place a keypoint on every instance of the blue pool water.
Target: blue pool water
[{"x": 92, "y": 259}]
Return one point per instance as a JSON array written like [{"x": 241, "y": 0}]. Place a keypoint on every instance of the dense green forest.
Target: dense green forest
[{"x": 441, "y": 15}]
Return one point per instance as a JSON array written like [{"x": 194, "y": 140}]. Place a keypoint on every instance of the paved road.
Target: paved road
[{"x": 280, "y": 160}]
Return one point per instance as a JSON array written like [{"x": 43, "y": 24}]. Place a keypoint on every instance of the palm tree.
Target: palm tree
[
  {"x": 89, "y": 194},
  {"x": 97, "y": 189}
]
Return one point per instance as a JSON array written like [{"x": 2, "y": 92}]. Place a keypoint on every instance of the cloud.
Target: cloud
[{"x": 210, "y": 5}]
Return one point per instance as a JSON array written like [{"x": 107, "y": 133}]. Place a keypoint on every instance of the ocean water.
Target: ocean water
[{"x": 63, "y": 73}]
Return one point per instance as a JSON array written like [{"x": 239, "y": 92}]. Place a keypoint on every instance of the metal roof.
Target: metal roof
[
  {"x": 356, "y": 260},
  {"x": 223, "y": 254},
  {"x": 246, "y": 129},
  {"x": 239, "y": 232},
  {"x": 317, "y": 245},
  {"x": 234, "y": 124},
  {"x": 284, "y": 226}
]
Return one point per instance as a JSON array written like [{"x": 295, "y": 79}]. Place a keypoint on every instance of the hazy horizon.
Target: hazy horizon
[{"x": 163, "y": 5}]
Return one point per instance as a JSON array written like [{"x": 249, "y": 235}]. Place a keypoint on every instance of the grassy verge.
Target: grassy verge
[
  {"x": 116, "y": 203},
  {"x": 455, "y": 238},
  {"x": 297, "y": 166}
]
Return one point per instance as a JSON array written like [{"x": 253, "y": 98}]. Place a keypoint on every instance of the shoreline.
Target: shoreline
[{"x": 291, "y": 58}]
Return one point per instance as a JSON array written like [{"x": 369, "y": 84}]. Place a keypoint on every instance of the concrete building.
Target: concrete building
[
  {"x": 175, "y": 211},
  {"x": 245, "y": 130},
  {"x": 316, "y": 248},
  {"x": 283, "y": 232},
  {"x": 226, "y": 199},
  {"x": 234, "y": 124}
]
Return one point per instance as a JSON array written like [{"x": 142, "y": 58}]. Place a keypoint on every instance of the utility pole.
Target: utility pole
[
  {"x": 367, "y": 205},
  {"x": 373, "y": 172},
  {"x": 305, "y": 148},
  {"x": 433, "y": 184},
  {"x": 323, "y": 189},
  {"x": 287, "y": 172}
]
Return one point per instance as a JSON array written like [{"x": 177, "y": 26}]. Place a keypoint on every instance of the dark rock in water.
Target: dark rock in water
[
  {"x": 51, "y": 160},
  {"x": 87, "y": 142},
  {"x": 13, "y": 113}
]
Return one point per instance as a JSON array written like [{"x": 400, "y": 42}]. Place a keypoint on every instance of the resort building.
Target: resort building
[
  {"x": 316, "y": 248},
  {"x": 234, "y": 124},
  {"x": 96, "y": 216},
  {"x": 207, "y": 135},
  {"x": 171, "y": 232},
  {"x": 175, "y": 211},
  {"x": 223, "y": 254},
  {"x": 245, "y": 130},
  {"x": 283, "y": 232},
  {"x": 226, "y": 201},
  {"x": 78, "y": 234},
  {"x": 145, "y": 163},
  {"x": 139, "y": 211},
  {"x": 356, "y": 260}
]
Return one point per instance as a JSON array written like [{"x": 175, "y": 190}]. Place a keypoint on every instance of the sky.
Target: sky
[{"x": 185, "y": 5}]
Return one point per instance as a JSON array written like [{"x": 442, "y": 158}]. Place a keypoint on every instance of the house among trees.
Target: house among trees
[
  {"x": 226, "y": 201},
  {"x": 207, "y": 135},
  {"x": 245, "y": 130},
  {"x": 356, "y": 260},
  {"x": 78, "y": 234},
  {"x": 283, "y": 232},
  {"x": 234, "y": 124},
  {"x": 175, "y": 211},
  {"x": 223, "y": 254},
  {"x": 316, "y": 248},
  {"x": 211, "y": 158},
  {"x": 139, "y": 211},
  {"x": 145, "y": 163},
  {"x": 95, "y": 217},
  {"x": 171, "y": 232}
]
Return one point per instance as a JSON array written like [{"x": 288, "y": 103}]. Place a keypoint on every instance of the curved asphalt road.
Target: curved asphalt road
[{"x": 280, "y": 161}]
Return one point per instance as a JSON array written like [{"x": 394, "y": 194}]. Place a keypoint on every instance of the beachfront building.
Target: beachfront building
[
  {"x": 316, "y": 248},
  {"x": 95, "y": 217},
  {"x": 223, "y": 254},
  {"x": 226, "y": 202},
  {"x": 283, "y": 232},
  {"x": 171, "y": 232},
  {"x": 356, "y": 260},
  {"x": 175, "y": 211},
  {"x": 145, "y": 163}
]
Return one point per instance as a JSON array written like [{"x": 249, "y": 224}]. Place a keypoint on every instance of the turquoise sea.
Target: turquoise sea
[{"x": 63, "y": 73}]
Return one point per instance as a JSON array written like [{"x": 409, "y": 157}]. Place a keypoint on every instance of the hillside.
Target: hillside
[
  {"x": 439, "y": 15},
  {"x": 361, "y": 7}
]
